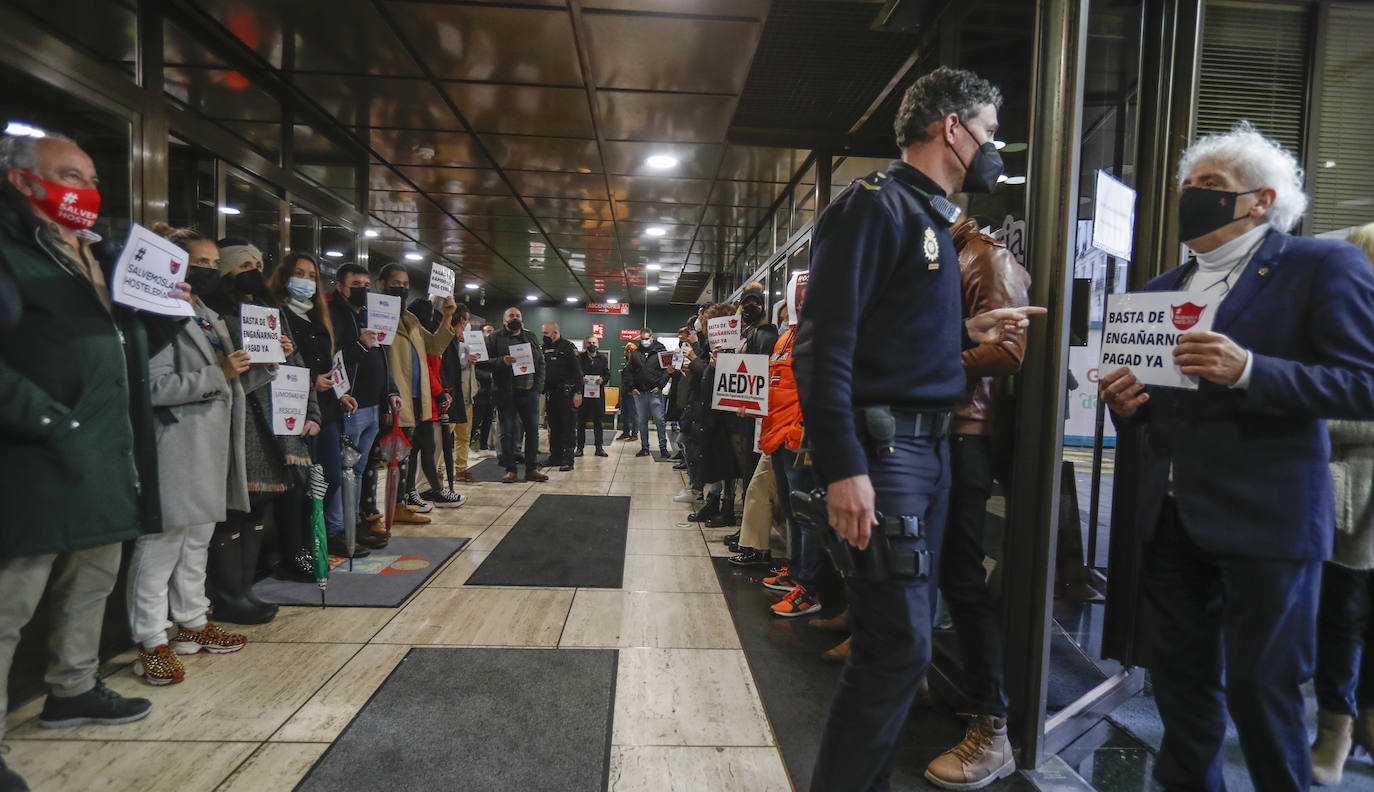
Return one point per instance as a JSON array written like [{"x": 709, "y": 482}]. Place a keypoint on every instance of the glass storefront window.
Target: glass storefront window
[
  {"x": 204, "y": 83},
  {"x": 191, "y": 194},
  {"x": 253, "y": 213},
  {"x": 108, "y": 31}
]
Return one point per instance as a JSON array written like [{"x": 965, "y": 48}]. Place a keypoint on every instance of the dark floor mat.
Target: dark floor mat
[
  {"x": 562, "y": 540},
  {"x": 383, "y": 579},
  {"x": 480, "y": 719},
  {"x": 796, "y": 687}
]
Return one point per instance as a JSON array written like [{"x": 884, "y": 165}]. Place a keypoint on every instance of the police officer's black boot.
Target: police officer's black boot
[{"x": 708, "y": 511}]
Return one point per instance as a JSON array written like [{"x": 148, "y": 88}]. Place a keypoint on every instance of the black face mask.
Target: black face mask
[
  {"x": 515, "y": 325},
  {"x": 204, "y": 280},
  {"x": 751, "y": 313},
  {"x": 981, "y": 173},
  {"x": 1202, "y": 211},
  {"x": 397, "y": 291},
  {"x": 357, "y": 297},
  {"x": 591, "y": 349},
  {"x": 250, "y": 282},
  {"x": 548, "y": 341}
]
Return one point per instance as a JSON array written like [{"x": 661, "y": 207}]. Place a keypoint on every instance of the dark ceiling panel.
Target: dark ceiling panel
[
  {"x": 678, "y": 191},
  {"x": 752, "y": 9},
  {"x": 380, "y": 102},
  {"x": 479, "y": 42},
  {"x": 737, "y": 193},
  {"x": 669, "y": 117},
  {"x": 220, "y": 93},
  {"x": 647, "y": 212},
  {"x": 670, "y": 54},
  {"x": 761, "y": 163},
  {"x": 478, "y": 181},
  {"x": 523, "y": 109},
  {"x": 425, "y": 147},
  {"x": 570, "y": 208},
  {"x": 546, "y": 154},
  {"x": 696, "y": 161},
  {"x": 544, "y": 184}
]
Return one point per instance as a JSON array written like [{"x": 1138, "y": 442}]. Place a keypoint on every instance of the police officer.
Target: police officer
[
  {"x": 562, "y": 394},
  {"x": 594, "y": 364},
  {"x": 878, "y": 370}
]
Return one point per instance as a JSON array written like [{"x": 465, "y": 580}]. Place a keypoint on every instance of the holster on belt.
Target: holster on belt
[{"x": 896, "y": 549}]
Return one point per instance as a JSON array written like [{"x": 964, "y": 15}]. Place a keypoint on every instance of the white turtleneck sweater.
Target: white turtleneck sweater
[{"x": 1218, "y": 271}]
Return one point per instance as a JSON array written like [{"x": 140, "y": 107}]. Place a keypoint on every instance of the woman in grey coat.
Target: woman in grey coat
[
  {"x": 1345, "y": 623},
  {"x": 197, "y": 388}
]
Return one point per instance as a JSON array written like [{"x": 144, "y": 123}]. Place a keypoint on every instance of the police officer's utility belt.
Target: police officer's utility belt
[
  {"x": 879, "y": 427},
  {"x": 896, "y": 548}
]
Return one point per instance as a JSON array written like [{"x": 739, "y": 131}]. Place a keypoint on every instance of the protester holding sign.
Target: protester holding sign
[
  {"x": 719, "y": 465},
  {"x": 516, "y": 396},
  {"x": 596, "y": 372},
  {"x": 1235, "y": 497},
  {"x": 74, "y": 375}
]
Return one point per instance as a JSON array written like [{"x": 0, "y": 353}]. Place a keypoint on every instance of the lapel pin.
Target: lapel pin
[{"x": 1263, "y": 271}]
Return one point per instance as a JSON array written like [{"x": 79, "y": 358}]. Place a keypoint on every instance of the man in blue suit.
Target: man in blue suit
[{"x": 1234, "y": 486}]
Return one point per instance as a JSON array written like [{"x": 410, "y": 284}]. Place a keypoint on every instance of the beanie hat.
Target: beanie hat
[{"x": 232, "y": 257}]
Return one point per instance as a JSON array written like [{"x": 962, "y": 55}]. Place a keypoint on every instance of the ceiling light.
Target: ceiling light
[
  {"x": 612, "y": 300},
  {"x": 372, "y": 233},
  {"x": 531, "y": 297},
  {"x": 999, "y": 144},
  {"x": 470, "y": 286},
  {"x": 334, "y": 253},
  {"x": 653, "y": 266},
  {"x": 661, "y": 161},
  {"x": 1330, "y": 163},
  {"x": 26, "y": 130},
  {"x": 656, "y": 231},
  {"x": 1015, "y": 180},
  {"x": 571, "y": 298},
  {"x": 650, "y": 288},
  {"x": 229, "y": 210},
  {"x": 415, "y": 256}
]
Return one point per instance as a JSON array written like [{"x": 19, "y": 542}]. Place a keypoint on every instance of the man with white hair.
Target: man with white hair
[{"x": 1236, "y": 502}]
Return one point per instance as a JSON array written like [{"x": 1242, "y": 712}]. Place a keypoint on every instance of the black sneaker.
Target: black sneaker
[
  {"x": 11, "y": 781},
  {"x": 748, "y": 556},
  {"x": 663, "y": 452},
  {"x": 680, "y": 466},
  {"x": 565, "y": 468},
  {"x": 336, "y": 547},
  {"x": 643, "y": 452},
  {"x": 97, "y": 705},
  {"x": 731, "y": 539},
  {"x": 577, "y": 453},
  {"x": 601, "y": 452}
]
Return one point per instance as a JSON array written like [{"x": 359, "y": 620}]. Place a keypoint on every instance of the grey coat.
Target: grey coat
[
  {"x": 1352, "y": 473},
  {"x": 201, "y": 469}
]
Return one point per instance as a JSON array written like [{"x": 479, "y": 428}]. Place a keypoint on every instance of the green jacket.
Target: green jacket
[{"x": 78, "y": 461}]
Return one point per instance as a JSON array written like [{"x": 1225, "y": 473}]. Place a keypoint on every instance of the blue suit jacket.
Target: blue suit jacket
[{"x": 1250, "y": 466}]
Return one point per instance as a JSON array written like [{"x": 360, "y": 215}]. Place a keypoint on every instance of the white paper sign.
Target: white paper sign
[
  {"x": 741, "y": 381},
  {"x": 261, "y": 333},
  {"x": 1113, "y": 217},
  {"x": 680, "y": 360},
  {"x": 440, "y": 280},
  {"x": 1142, "y": 330},
  {"x": 524, "y": 359},
  {"x": 723, "y": 332},
  {"x": 476, "y": 343},
  {"x": 591, "y": 386},
  {"x": 796, "y": 293},
  {"x": 383, "y": 314},
  {"x": 340, "y": 376},
  {"x": 148, "y": 269},
  {"x": 290, "y": 394}
]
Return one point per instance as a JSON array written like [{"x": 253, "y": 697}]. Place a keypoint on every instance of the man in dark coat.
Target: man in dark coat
[
  {"x": 597, "y": 367},
  {"x": 516, "y": 395},
  {"x": 76, "y": 426}
]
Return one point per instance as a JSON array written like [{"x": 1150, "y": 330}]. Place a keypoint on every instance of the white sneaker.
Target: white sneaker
[{"x": 686, "y": 496}]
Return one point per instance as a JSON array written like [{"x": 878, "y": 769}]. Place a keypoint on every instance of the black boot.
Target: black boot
[
  {"x": 722, "y": 519},
  {"x": 708, "y": 511},
  {"x": 249, "y": 547},
  {"x": 224, "y": 578}
]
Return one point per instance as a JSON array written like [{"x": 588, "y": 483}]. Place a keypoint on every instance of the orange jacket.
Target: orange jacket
[{"x": 783, "y": 426}]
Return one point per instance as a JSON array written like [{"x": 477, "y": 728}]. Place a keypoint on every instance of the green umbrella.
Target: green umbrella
[{"x": 318, "y": 488}]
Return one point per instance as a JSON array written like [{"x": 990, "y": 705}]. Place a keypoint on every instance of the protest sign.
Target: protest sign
[
  {"x": 524, "y": 359},
  {"x": 290, "y": 394},
  {"x": 340, "y": 376},
  {"x": 741, "y": 381},
  {"x": 1142, "y": 330},
  {"x": 723, "y": 332},
  {"x": 476, "y": 343},
  {"x": 796, "y": 292},
  {"x": 148, "y": 269},
  {"x": 440, "y": 280},
  {"x": 591, "y": 386},
  {"x": 383, "y": 314},
  {"x": 665, "y": 359},
  {"x": 262, "y": 333}
]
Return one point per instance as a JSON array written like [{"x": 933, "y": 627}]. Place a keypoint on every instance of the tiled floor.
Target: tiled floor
[{"x": 687, "y": 713}]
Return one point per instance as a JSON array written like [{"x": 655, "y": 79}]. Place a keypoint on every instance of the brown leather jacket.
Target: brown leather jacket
[{"x": 992, "y": 278}]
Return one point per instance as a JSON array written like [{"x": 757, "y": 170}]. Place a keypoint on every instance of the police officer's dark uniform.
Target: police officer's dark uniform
[
  {"x": 594, "y": 364},
  {"x": 562, "y": 381},
  {"x": 877, "y": 362}
]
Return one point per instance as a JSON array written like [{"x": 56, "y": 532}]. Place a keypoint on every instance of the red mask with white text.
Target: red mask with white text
[{"x": 76, "y": 209}]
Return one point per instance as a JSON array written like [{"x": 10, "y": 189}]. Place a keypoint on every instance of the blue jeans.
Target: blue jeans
[
  {"x": 629, "y": 413},
  {"x": 651, "y": 405},
  {"x": 325, "y": 447},
  {"x": 805, "y": 541},
  {"x": 890, "y": 641},
  {"x": 361, "y": 427}
]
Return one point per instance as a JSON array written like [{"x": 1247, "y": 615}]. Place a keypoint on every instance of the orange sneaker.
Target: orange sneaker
[
  {"x": 798, "y": 602},
  {"x": 780, "y": 580},
  {"x": 159, "y": 666},
  {"x": 209, "y": 638}
]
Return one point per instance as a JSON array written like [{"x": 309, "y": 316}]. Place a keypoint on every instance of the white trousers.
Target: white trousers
[{"x": 168, "y": 573}]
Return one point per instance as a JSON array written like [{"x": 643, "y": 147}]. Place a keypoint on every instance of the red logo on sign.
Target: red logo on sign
[
  {"x": 734, "y": 323},
  {"x": 598, "y": 331},
  {"x": 176, "y": 265},
  {"x": 743, "y": 369},
  {"x": 271, "y": 322},
  {"x": 1187, "y": 314},
  {"x": 291, "y": 423},
  {"x": 381, "y": 335}
]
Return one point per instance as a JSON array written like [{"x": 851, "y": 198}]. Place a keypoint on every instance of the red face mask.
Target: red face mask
[{"x": 76, "y": 209}]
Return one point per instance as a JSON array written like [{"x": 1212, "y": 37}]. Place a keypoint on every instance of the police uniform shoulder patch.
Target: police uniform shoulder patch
[
  {"x": 873, "y": 181},
  {"x": 931, "y": 247}
]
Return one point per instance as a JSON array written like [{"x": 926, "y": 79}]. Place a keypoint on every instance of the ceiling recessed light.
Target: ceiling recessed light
[
  {"x": 656, "y": 231},
  {"x": 571, "y": 298},
  {"x": 531, "y": 297},
  {"x": 650, "y": 288},
  {"x": 372, "y": 233},
  {"x": 415, "y": 257},
  {"x": 661, "y": 161},
  {"x": 653, "y": 266},
  {"x": 334, "y": 253},
  {"x": 470, "y": 286},
  {"x": 612, "y": 300},
  {"x": 229, "y": 210}
]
